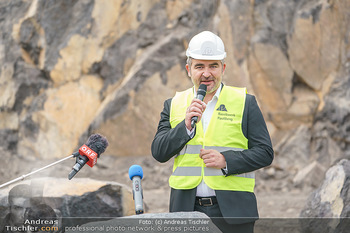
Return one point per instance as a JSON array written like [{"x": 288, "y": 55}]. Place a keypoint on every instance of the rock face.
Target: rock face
[
  {"x": 72, "y": 68},
  {"x": 331, "y": 202}
]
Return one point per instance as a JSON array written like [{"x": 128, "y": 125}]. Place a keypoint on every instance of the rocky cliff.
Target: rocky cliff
[{"x": 71, "y": 68}]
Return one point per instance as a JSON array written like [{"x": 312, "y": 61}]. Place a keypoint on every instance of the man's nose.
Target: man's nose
[{"x": 206, "y": 73}]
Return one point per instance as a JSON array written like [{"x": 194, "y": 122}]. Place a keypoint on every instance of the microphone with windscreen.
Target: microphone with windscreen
[
  {"x": 202, "y": 91},
  {"x": 136, "y": 175},
  {"x": 88, "y": 153}
]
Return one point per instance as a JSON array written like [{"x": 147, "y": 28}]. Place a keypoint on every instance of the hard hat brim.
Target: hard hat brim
[{"x": 206, "y": 57}]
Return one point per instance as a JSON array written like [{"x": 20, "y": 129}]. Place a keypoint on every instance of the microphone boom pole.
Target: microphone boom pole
[{"x": 40, "y": 169}]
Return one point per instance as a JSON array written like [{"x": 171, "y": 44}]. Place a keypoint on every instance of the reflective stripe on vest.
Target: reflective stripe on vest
[
  {"x": 197, "y": 171},
  {"x": 194, "y": 149},
  {"x": 224, "y": 133}
]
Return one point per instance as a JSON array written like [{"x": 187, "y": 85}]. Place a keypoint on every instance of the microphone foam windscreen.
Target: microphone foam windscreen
[
  {"x": 97, "y": 143},
  {"x": 202, "y": 89},
  {"x": 135, "y": 170}
]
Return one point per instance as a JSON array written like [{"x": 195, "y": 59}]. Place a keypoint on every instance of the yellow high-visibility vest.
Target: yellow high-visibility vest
[{"x": 223, "y": 133}]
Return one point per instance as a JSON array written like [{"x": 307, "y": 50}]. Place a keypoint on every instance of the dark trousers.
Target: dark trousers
[{"x": 215, "y": 215}]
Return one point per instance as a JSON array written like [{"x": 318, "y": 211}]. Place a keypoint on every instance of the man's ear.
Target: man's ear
[
  {"x": 223, "y": 68},
  {"x": 188, "y": 70}
]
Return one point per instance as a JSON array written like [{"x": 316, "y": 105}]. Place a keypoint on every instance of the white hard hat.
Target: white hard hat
[{"x": 206, "y": 46}]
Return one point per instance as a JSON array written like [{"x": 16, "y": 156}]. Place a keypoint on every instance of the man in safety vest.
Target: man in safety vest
[{"x": 215, "y": 160}]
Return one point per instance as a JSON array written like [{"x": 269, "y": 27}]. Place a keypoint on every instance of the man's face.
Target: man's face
[
  {"x": 208, "y": 72},
  {"x": 18, "y": 207}
]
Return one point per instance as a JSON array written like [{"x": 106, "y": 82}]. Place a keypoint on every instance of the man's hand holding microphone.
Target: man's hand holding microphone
[{"x": 195, "y": 109}]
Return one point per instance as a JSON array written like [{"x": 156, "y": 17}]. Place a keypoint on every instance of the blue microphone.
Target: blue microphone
[{"x": 136, "y": 175}]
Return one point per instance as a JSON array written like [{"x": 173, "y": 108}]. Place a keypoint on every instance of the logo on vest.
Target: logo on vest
[
  {"x": 223, "y": 115},
  {"x": 222, "y": 108}
]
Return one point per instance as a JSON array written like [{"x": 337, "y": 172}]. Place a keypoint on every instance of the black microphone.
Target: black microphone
[
  {"x": 136, "y": 175},
  {"x": 88, "y": 153},
  {"x": 202, "y": 91}
]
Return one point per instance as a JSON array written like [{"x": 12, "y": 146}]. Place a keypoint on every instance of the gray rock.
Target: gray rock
[
  {"x": 328, "y": 207},
  {"x": 330, "y": 139},
  {"x": 78, "y": 200}
]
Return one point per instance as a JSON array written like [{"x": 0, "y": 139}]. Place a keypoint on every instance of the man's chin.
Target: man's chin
[
  {"x": 210, "y": 86},
  {"x": 211, "y": 89}
]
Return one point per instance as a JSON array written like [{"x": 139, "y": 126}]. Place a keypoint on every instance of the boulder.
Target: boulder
[
  {"x": 80, "y": 198},
  {"x": 328, "y": 208}
]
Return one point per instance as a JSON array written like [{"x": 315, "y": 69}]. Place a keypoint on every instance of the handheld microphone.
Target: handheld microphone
[
  {"x": 202, "y": 91},
  {"x": 88, "y": 153},
  {"x": 136, "y": 174}
]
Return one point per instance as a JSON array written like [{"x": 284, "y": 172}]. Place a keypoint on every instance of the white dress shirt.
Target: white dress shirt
[{"x": 203, "y": 189}]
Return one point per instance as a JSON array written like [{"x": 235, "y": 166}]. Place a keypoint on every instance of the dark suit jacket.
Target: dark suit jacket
[{"x": 241, "y": 206}]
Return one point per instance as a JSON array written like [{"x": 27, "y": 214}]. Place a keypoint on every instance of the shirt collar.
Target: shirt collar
[{"x": 217, "y": 93}]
